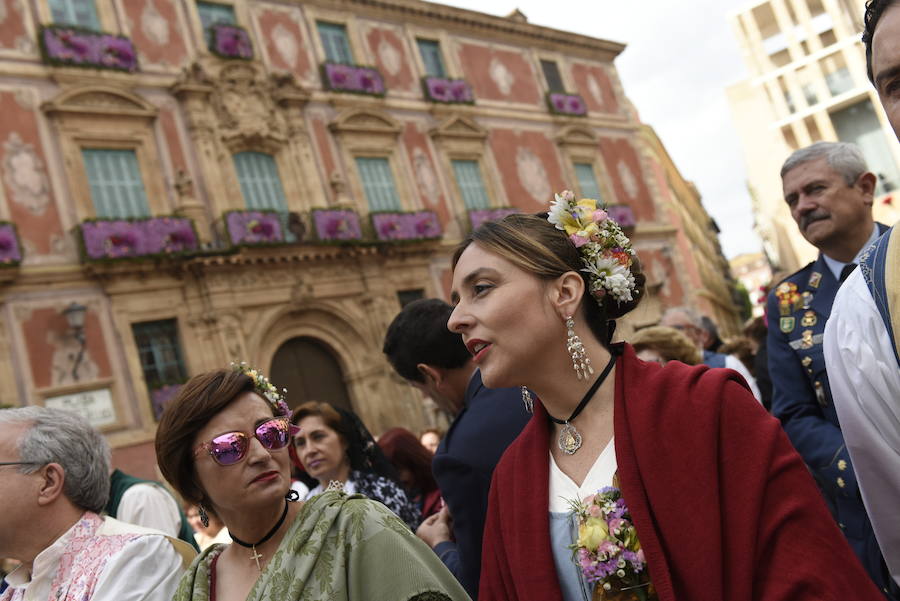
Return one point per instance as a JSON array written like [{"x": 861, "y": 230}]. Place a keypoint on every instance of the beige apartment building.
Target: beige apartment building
[
  {"x": 187, "y": 183},
  {"x": 807, "y": 83}
]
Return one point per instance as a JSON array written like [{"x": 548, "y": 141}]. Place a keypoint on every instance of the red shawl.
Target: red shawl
[{"x": 724, "y": 508}]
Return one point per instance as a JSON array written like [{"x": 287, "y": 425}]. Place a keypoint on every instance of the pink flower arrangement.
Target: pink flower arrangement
[
  {"x": 104, "y": 239},
  {"x": 479, "y": 216},
  {"x": 608, "y": 550},
  {"x": 336, "y": 224},
  {"x": 566, "y": 104},
  {"x": 254, "y": 227},
  {"x": 231, "y": 41},
  {"x": 353, "y": 78},
  {"x": 10, "y": 249},
  {"x": 72, "y": 46},
  {"x": 417, "y": 225},
  {"x": 442, "y": 89}
]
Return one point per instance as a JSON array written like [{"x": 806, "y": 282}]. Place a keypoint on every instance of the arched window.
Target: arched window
[{"x": 260, "y": 182}]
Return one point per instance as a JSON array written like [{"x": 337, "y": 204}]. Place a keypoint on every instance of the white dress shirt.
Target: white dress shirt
[{"x": 865, "y": 385}]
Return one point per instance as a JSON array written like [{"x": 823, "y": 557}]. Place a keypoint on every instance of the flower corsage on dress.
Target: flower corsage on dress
[{"x": 608, "y": 550}]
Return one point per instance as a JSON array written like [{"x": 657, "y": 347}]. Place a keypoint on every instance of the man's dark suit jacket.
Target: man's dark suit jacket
[{"x": 463, "y": 466}]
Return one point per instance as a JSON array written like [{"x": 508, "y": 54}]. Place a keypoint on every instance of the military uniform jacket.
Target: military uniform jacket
[{"x": 797, "y": 310}]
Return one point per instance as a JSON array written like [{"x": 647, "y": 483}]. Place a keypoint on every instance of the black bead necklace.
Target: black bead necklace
[
  {"x": 256, "y": 556},
  {"x": 569, "y": 440}
]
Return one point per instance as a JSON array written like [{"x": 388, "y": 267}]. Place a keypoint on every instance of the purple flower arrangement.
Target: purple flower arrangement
[
  {"x": 252, "y": 228},
  {"x": 623, "y": 215},
  {"x": 353, "y": 78},
  {"x": 416, "y": 225},
  {"x": 453, "y": 91},
  {"x": 10, "y": 248},
  {"x": 335, "y": 225},
  {"x": 161, "y": 396},
  {"x": 75, "y": 47},
  {"x": 479, "y": 216},
  {"x": 111, "y": 239},
  {"x": 566, "y": 104},
  {"x": 231, "y": 41}
]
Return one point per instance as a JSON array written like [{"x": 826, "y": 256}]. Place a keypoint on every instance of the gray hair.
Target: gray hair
[
  {"x": 688, "y": 312},
  {"x": 844, "y": 158},
  {"x": 63, "y": 437}
]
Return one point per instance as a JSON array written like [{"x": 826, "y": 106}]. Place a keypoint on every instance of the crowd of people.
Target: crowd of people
[{"x": 672, "y": 466}]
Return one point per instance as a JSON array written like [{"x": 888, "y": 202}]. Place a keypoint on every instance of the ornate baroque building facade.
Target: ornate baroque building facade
[{"x": 269, "y": 181}]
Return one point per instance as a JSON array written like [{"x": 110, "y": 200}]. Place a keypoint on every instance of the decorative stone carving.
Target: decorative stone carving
[
  {"x": 533, "y": 175},
  {"x": 501, "y": 76},
  {"x": 390, "y": 57},
  {"x": 245, "y": 107},
  {"x": 459, "y": 127},
  {"x": 426, "y": 177},
  {"x": 594, "y": 89},
  {"x": 339, "y": 189},
  {"x": 25, "y": 175},
  {"x": 629, "y": 181},
  {"x": 154, "y": 25},
  {"x": 286, "y": 44}
]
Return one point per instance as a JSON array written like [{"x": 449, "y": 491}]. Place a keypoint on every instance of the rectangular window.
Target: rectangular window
[
  {"x": 260, "y": 181},
  {"x": 117, "y": 189},
  {"x": 211, "y": 14},
  {"x": 552, "y": 76},
  {"x": 160, "y": 355},
  {"x": 431, "y": 57},
  {"x": 378, "y": 183},
  {"x": 75, "y": 12},
  {"x": 587, "y": 181},
  {"x": 335, "y": 42},
  {"x": 471, "y": 185}
]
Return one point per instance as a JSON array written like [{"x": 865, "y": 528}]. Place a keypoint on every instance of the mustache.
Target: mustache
[{"x": 812, "y": 216}]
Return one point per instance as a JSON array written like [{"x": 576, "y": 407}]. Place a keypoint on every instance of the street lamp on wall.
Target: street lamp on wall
[{"x": 75, "y": 314}]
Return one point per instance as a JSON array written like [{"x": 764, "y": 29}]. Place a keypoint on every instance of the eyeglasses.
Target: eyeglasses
[
  {"x": 231, "y": 447},
  {"x": 20, "y": 463}
]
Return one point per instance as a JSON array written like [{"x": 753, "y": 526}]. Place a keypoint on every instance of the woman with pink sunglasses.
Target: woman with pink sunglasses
[{"x": 223, "y": 445}]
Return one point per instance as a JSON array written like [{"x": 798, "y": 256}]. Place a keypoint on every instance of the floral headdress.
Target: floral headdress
[
  {"x": 265, "y": 388},
  {"x": 605, "y": 249}
]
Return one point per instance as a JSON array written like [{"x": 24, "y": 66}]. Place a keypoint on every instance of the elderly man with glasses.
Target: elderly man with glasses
[{"x": 54, "y": 482}]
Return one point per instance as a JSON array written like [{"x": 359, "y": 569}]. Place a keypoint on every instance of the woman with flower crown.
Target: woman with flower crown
[
  {"x": 223, "y": 444},
  {"x": 632, "y": 480}
]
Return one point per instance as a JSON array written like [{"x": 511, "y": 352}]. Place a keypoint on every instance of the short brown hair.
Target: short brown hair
[
  {"x": 671, "y": 344},
  {"x": 534, "y": 245},
  {"x": 197, "y": 402}
]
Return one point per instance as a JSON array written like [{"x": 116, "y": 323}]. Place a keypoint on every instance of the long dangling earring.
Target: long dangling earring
[
  {"x": 527, "y": 400},
  {"x": 204, "y": 517},
  {"x": 580, "y": 361}
]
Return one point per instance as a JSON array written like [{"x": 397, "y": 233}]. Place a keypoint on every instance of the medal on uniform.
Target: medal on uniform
[
  {"x": 807, "y": 341},
  {"x": 806, "y": 361},
  {"x": 809, "y": 319},
  {"x": 787, "y": 324},
  {"x": 820, "y": 395},
  {"x": 807, "y": 299},
  {"x": 815, "y": 279},
  {"x": 788, "y": 297}
]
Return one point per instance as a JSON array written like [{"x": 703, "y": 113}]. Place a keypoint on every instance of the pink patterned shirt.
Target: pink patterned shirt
[{"x": 100, "y": 559}]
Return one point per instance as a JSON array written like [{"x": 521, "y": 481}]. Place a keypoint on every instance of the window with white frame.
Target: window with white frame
[
  {"x": 335, "y": 42},
  {"x": 260, "y": 181},
  {"x": 114, "y": 177},
  {"x": 378, "y": 183},
  {"x": 470, "y": 183},
  {"x": 587, "y": 181},
  {"x": 75, "y": 12},
  {"x": 430, "y": 51}
]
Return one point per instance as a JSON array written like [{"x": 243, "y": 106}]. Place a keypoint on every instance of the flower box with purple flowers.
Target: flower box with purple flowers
[
  {"x": 161, "y": 396},
  {"x": 566, "y": 104},
  {"x": 415, "y": 225},
  {"x": 336, "y": 225},
  {"x": 479, "y": 216},
  {"x": 452, "y": 91},
  {"x": 10, "y": 247},
  {"x": 254, "y": 228},
  {"x": 231, "y": 41},
  {"x": 623, "y": 215},
  {"x": 112, "y": 239},
  {"x": 353, "y": 79},
  {"x": 69, "y": 46}
]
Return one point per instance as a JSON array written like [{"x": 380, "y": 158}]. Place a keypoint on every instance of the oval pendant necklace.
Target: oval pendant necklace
[{"x": 569, "y": 440}]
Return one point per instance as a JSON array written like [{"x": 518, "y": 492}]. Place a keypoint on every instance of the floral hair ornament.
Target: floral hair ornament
[
  {"x": 265, "y": 388},
  {"x": 605, "y": 249}
]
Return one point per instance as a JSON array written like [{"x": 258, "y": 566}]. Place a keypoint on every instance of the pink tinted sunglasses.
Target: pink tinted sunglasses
[{"x": 231, "y": 447}]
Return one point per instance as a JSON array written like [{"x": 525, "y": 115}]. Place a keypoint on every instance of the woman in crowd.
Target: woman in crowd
[
  {"x": 683, "y": 487},
  {"x": 662, "y": 344},
  {"x": 223, "y": 444},
  {"x": 207, "y": 532},
  {"x": 413, "y": 464},
  {"x": 334, "y": 446}
]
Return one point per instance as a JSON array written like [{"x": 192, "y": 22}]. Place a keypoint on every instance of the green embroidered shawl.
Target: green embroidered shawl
[{"x": 345, "y": 548}]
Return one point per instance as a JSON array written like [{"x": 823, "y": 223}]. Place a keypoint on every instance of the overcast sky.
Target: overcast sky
[{"x": 679, "y": 59}]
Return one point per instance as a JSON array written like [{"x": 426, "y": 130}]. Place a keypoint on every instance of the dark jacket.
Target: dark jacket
[{"x": 463, "y": 466}]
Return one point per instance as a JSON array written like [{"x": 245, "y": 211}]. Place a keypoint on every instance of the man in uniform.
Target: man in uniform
[{"x": 829, "y": 192}]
